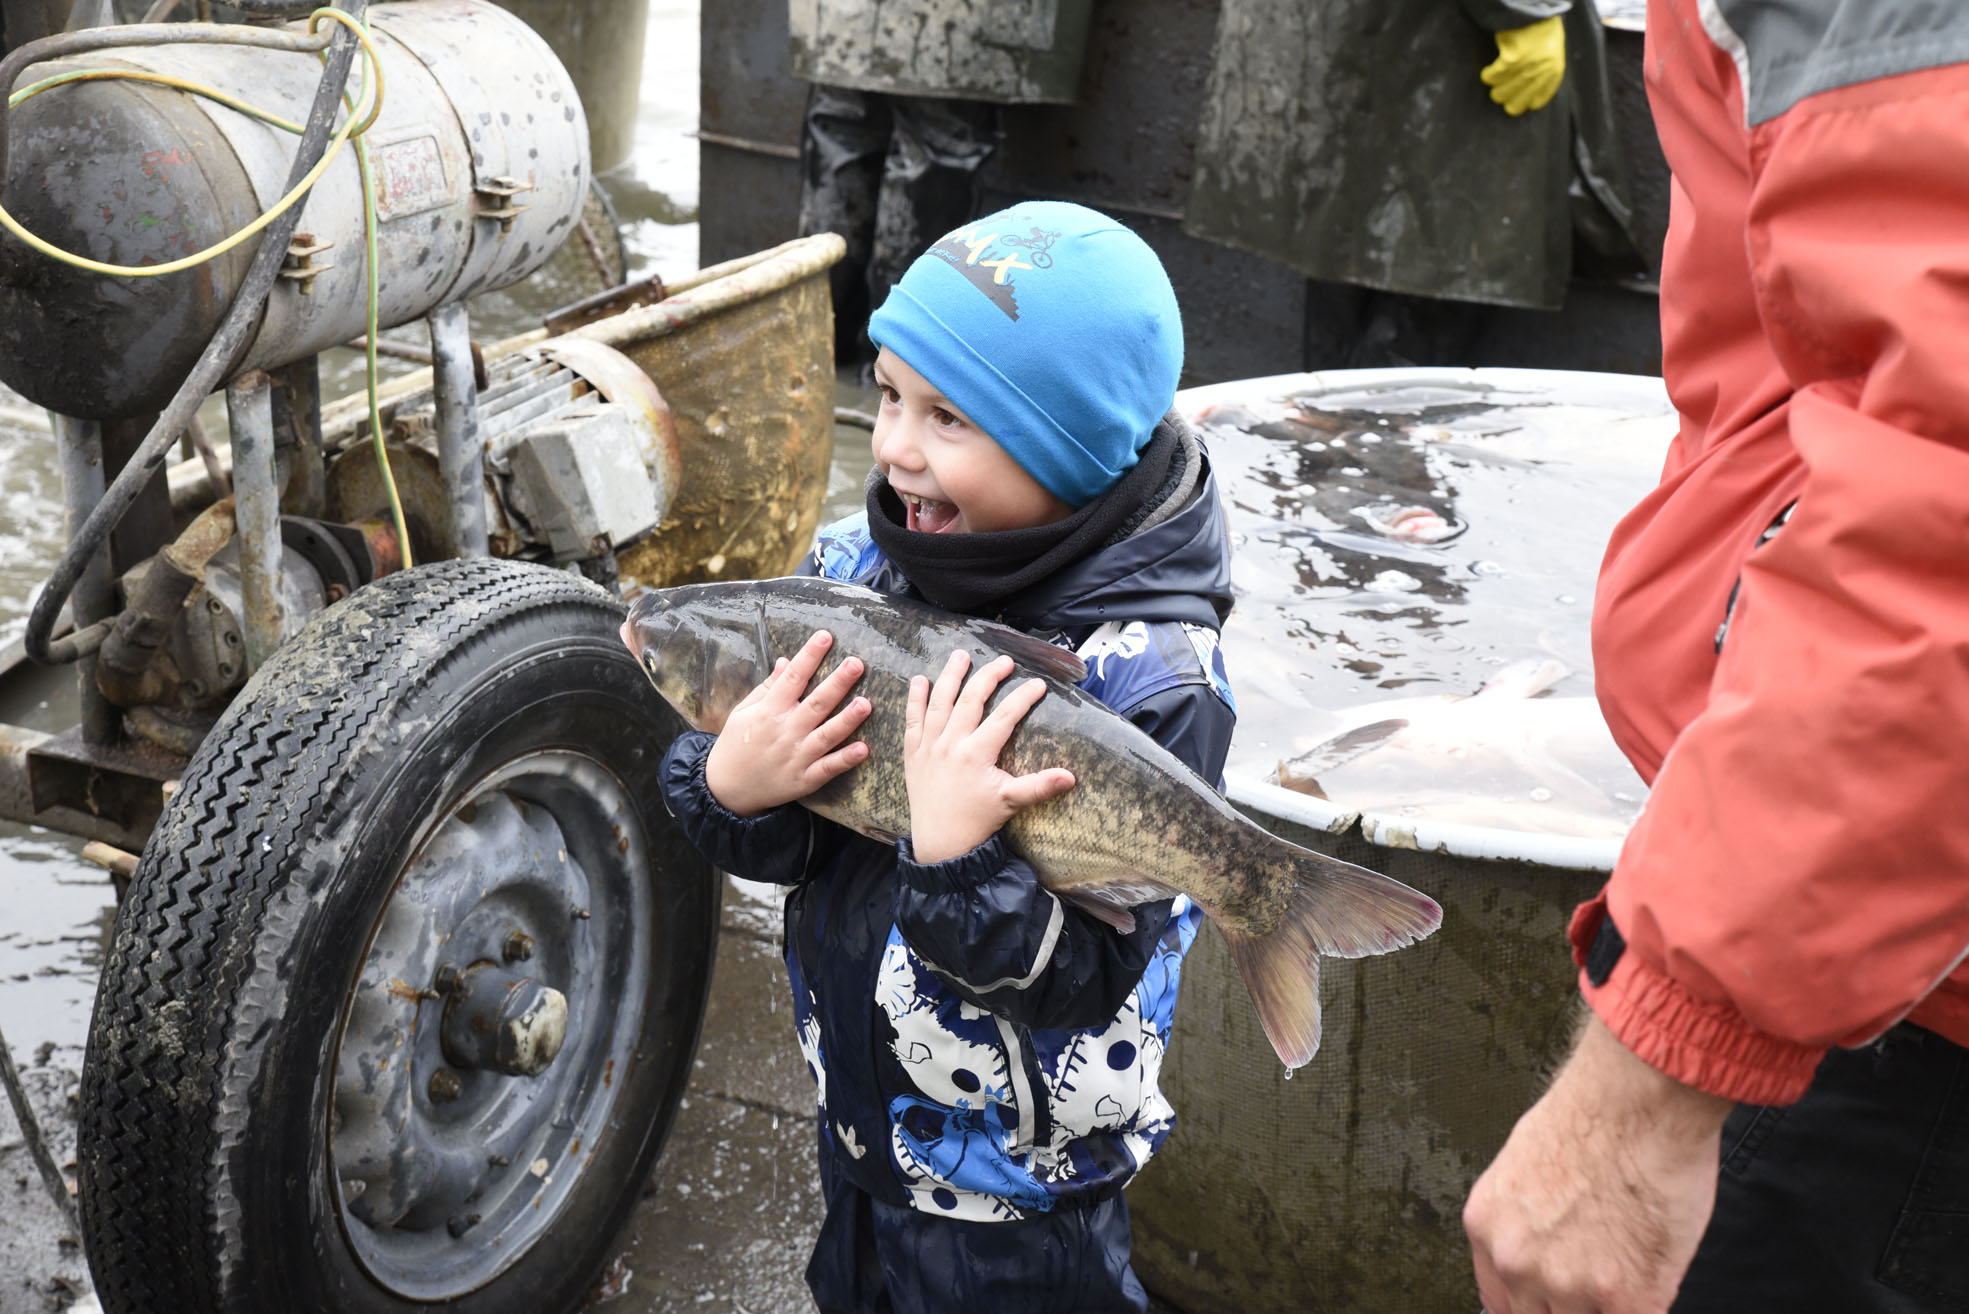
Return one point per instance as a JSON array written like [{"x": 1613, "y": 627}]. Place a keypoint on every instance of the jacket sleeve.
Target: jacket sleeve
[
  {"x": 1504, "y": 15},
  {"x": 985, "y": 924},
  {"x": 776, "y": 846},
  {"x": 1799, "y": 877}
]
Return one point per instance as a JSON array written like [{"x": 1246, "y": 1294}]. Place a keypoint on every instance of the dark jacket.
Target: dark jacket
[
  {"x": 1353, "y": 141},
  {"x": 984, "y": 1049},
  {"x": 985, "y": 50}
]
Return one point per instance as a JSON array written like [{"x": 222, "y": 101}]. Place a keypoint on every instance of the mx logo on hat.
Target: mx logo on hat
[{"x": 987, "y": 261}]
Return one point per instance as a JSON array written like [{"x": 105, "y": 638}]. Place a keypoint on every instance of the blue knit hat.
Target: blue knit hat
[{"x": 1054, "y": 329}]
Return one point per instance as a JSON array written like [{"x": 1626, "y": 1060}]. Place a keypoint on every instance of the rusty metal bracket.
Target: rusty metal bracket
[
  {"x": 111, "y": 794},
  {"x": 609, "y": 301},
  {"x": 496, "y": 196},
  {"x": 299, "y": 263}
]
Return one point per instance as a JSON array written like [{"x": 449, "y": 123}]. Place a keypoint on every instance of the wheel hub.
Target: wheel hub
[
  {"x": 498, "y": 1021},
  {"x": 468, "y": 1099}
]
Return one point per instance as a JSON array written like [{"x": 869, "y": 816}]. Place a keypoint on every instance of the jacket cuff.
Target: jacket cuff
[
  {"x": 1697, "y": 1042},
  {"x": 705, "y": 819},
  {"x": 958, "y": 875}
]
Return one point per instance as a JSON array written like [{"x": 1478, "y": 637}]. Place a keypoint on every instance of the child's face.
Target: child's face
[{"x": 952, "y": 477}]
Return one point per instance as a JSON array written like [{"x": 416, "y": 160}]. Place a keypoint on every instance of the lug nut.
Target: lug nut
[
  {"x": 519, "y": 947},
  {"x": 445, "y": 1086}
]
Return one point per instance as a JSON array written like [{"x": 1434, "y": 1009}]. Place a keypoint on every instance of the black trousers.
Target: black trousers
[
  {"x": 1855, "y": 1200},
  {"x": 874, "y": 1258},
  {"x": 891, "y": 174}
]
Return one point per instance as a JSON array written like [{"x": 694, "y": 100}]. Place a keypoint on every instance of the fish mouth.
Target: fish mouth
[
  {"x": 927, "y": 515},
  {"x": 642, "y": 624}
]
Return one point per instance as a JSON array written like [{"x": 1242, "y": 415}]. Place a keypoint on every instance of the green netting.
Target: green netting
[{"x": 1342, "y": 1188}]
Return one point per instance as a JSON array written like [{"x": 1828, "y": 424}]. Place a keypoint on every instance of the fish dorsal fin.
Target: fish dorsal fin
[{"x": 1030, "y": 650}]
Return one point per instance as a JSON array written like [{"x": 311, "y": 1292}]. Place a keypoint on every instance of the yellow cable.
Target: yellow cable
[
  {"x": 371, "y": 258},
  {"x": 347, "y": 130},
  {"x": 162, "y": 79}
]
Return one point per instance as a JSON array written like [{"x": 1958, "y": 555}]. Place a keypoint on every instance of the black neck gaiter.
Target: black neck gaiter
[{"x": 971, "y": 572}]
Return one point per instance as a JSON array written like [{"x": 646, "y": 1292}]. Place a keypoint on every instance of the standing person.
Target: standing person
[
  {"x": 1422, "y": 160},
  {"x": 1775, "y": 971},
  {"x": 975, "y": 1138},
  {"x": 903, "y": 114}
]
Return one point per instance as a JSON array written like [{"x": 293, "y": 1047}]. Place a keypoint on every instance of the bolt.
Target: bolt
[
  {"x": 445, "y": 1086},
  {"x": 519, "y": 947},
  {"x": 214, "y": 606},
  {"x": 448, "y": 979},
  {"x": 582, "y": 914}
]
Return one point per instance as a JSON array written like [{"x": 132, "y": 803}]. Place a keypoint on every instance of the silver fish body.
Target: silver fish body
[{"x": 1137, "y": 826}]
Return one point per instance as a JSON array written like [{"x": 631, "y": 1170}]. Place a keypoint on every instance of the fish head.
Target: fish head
[{"x": 703, "y": 659}]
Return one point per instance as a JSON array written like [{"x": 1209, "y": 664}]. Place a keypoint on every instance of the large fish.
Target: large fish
[{"x": 1137, "y": 826}]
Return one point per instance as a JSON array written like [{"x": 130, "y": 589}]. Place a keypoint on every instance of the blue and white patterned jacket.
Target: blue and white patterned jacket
[{"x": 983, "y": 1049}]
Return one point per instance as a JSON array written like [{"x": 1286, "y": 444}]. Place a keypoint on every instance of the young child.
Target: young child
[{"x": 986, "y": 1054}]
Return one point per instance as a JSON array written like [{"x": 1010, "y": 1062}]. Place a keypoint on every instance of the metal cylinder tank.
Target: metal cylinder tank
[
  {"x": 601, "y": 42},
  {"x": 481, "y": 167}
]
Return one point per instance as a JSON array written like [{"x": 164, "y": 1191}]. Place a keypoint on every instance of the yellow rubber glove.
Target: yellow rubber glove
[{"x": 1531, "y": 63}]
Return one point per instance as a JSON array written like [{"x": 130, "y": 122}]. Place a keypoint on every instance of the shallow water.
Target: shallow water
[{"x": 1513, "y": 481}]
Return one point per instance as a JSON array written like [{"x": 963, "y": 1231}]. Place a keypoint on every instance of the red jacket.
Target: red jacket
[{"x": 1800, "y": 876}]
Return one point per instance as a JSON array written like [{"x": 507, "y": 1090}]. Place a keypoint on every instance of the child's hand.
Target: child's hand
[
  {"x": 778, "y": 745},
  {"x": 958, "y": 796}
]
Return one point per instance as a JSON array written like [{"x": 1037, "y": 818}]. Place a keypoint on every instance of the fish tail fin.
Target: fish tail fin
[{"x": 1336, "y": 909}]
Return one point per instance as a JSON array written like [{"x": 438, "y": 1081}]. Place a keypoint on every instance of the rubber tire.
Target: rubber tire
[{"x": 203, "y": 1158}]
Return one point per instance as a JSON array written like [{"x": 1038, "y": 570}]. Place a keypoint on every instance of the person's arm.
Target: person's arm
[
  {"x": 1796, "y": 879},
  {"x": 1503, "y": 15},
  {"x": 1602, "y": 1192},
  {"x": 1531, "y": 50},
  {"x": 982, "y": 920},
  {"x": 735, "y": 793},
  {"x": 774, "y": 846}
]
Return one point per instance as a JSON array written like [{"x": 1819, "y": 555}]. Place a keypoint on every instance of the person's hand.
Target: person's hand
[
  {"x": 1530, "y": 65},
  {"x": 1600, "y": 1195},
  {"x": 781, "y": 743},
  {"x": 958, "y": 795}
]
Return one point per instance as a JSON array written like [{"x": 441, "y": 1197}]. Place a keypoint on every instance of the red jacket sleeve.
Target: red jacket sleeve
[{"x": 1800, "y": 875}]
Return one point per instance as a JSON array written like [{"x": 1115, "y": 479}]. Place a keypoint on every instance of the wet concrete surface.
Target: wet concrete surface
[
  {"x": 41, "y": 1263},
  {"x": 730, "y": 1213}
]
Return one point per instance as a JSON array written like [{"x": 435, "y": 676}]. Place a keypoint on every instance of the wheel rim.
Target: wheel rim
[{"x": 448, "y": 1166}]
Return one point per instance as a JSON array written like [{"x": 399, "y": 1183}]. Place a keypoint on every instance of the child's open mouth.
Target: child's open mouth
[{"x": 927, "y": 517}]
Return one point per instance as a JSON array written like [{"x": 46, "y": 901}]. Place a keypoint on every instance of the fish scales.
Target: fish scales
[{"x": 1138, "y": 824}]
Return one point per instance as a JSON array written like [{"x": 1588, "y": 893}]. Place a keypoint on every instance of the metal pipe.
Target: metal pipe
[
  {"x": 256, "y": 495},
  {"x": 80, "y": 445},
  {"x": 37, "y": 1145},
  {"x": 260, "y": 275},
  {"x": 461, "y": 449}
]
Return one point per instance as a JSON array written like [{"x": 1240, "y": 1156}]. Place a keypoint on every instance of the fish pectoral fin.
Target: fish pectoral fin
[
  {"x": 1104, "y": 907},
  {"x": 1304, "y": 771},
  {"x": 1029, "y": 650}
]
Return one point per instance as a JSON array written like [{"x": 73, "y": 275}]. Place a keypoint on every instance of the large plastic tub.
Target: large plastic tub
[{"x": 1341, "y": 1187}]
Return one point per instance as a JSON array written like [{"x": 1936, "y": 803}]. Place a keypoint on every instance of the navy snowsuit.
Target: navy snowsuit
[{"x": 985, "y": 1051}]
